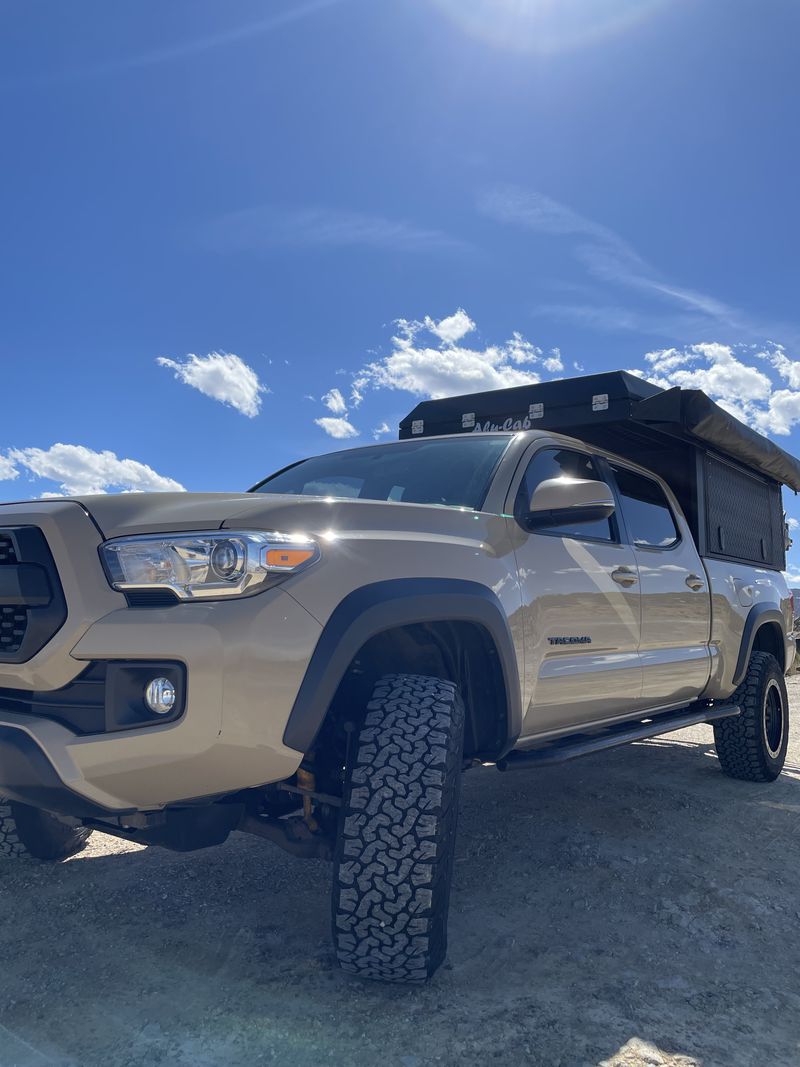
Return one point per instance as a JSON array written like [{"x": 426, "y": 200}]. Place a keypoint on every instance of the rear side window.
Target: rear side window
[
  {"x": 564, "y": 463},
  {"x": 646, "y": 509}
]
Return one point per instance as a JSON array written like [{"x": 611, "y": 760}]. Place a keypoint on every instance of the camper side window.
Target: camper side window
[{"x": 648, "y": 515}]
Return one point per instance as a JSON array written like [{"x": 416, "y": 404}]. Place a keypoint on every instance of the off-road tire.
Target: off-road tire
[
  {"x": 393, "y": 862},
  {"x": 752, "y": 746},
  {"x": 26, "y": 832}
]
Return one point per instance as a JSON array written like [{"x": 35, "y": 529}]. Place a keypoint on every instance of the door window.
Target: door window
[
  {"x": 651, "y": 523},
  {"x": 565, "y": 463}
]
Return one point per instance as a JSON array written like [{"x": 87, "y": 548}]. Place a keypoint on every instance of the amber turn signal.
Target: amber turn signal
[{"x": 287, "y": 558}]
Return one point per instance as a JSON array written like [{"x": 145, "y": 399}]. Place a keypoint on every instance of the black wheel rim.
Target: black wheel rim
[{"x": 774, "y": 720}]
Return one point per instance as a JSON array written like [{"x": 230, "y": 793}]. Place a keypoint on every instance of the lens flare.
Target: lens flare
[{"x": 546, "y": 26}]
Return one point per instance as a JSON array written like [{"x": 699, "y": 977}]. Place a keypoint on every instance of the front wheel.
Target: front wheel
[
  {"x": 752, "y": 746},
  {"x": 394, "y": 855},
  {"x": 28, "y": 832}
]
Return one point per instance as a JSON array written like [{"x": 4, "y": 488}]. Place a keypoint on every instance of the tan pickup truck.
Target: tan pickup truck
[{"x": 527, "y": 576}]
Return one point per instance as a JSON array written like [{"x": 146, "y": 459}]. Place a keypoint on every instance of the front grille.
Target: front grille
[
  {"x": 13, "y": 627},
  {"x": 13, "y": 617},
  {"x": 32, "y": 606}
]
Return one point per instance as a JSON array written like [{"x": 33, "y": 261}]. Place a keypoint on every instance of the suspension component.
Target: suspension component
[{"x": 307, "y": 781}]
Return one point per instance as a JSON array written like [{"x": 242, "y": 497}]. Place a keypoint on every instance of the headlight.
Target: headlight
[{"x": 198, "y": 566}]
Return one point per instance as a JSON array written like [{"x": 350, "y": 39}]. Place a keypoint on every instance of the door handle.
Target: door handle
[
  {"x": 694, "y": 581},
  {"x": 625, "y": 576}
]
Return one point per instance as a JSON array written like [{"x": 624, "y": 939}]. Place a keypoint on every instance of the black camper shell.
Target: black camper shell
[{"x": 726, "y": 477}]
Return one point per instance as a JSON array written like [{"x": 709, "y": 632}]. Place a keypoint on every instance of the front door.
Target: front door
[{"x": 581, "y": 605}]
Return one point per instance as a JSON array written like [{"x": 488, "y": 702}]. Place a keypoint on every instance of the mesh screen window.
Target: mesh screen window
[{"x": 744, "y": 515}]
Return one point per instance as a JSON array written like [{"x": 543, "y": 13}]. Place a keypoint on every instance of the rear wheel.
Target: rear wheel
[
  {"x": 29, "y": 832},
  {"x": 394, "y": 854},
  {"x": 752, "y": 746}
]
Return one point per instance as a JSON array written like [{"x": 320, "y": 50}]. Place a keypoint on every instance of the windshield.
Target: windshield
[{"x": 454, "y": 472}]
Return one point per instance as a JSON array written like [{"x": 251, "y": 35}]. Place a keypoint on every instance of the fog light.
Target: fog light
[{"x": 160, "y": 696}]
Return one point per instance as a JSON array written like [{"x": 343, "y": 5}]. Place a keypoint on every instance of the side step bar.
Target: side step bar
[{"x": 566, "y": 748}]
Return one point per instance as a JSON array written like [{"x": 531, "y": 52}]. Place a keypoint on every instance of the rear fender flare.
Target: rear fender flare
[{"x": 758, "y": 616}]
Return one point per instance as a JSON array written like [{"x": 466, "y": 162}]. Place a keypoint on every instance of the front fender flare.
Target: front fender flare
[{"x": 382, "y": 606}]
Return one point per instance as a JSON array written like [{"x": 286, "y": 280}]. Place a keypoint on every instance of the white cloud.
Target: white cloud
[
  {"x": 713, "y": 368},
  {"x": 7, "y": 469},
  {"x": 222, "y": 376},
  {"x": 728, "y": 375},
  {"x": 382, "y": 430},
  {"x": 781, "y": 415},
  {"x": 792, "y": 523},
  {"x": 334, "y": 401},
  {"x": 535, "y": 211},
  {"x": 554, "y": 364},
  {"x": 338, "y": 428},
  {"x": 606, "y": 255},
  {"x": 787, "y": 368},
  {"x": 260, "y": 228},
  {"x": 437, "y": 365},
  {"x": 452, "y": 328},
  {"x": 186, "y": 49},
  {"x": 80, "y": 470}
]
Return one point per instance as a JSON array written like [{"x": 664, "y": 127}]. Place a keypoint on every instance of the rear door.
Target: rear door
[
  {"x": 676, "y": 605},
  {"x": 581, "y": 609}
]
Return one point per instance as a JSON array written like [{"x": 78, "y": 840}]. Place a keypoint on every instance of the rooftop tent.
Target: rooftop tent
[{"x": 722, "y": 472}]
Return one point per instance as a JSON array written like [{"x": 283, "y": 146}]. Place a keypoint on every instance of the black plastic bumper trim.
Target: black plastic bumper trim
[{"x": 107, "y": 697}]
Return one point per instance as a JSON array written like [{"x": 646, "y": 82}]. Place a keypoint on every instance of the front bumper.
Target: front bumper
[
  {"x": 244, "y": 662},
  {"x": 28, "y": 777}
]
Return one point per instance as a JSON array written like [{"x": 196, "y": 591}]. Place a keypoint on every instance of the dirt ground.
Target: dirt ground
[{"x": 633, "y": 908}]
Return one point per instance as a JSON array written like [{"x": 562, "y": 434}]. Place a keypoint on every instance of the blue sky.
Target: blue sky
[{"x": 351, "y": 204}]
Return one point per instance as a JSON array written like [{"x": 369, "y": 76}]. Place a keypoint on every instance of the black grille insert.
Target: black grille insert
[
  {"x": 7, "y": 551},
  {"x": 32, "y": 606},
  {"x": 151, "y": 598},
  {"x": 13, "y": 626}
]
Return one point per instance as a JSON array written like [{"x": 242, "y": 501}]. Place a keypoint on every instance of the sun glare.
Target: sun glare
[{"x": 546, "y": 25}]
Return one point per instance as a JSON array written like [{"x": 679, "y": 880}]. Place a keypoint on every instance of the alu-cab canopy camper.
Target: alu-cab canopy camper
[{"x": 727, "y": 477}]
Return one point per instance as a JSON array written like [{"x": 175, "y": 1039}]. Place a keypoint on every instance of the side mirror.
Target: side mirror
[{"x": 568, "y": 501}]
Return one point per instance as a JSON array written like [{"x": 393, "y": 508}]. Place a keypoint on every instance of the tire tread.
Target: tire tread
[
  {"x": 28, "y": 833},
  {"x": 394, "y": 857},
  {"x": 738, "y": 740}
]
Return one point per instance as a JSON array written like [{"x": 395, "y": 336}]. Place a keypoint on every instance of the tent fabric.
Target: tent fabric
[{"x": 728, "y": 435}]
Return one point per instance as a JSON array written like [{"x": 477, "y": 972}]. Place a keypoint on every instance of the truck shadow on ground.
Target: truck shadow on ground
[{"x": 635, "y": 895}]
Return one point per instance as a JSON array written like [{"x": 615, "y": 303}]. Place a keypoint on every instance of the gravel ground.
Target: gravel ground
[{"x": 626, "y": 909}]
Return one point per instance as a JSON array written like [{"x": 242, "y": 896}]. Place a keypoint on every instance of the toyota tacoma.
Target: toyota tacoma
[{"x": 527, "y": 576}]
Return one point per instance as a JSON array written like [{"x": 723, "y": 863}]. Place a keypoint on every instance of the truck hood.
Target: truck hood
[
  {"x": 126, "y": 514},
  {"x": 120, "y": 514}
]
